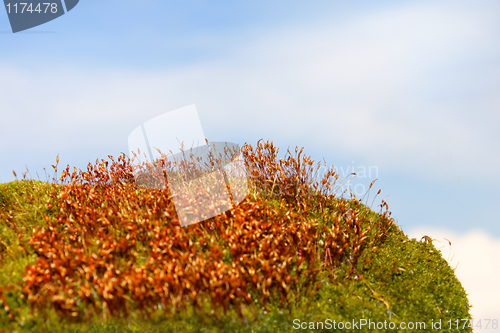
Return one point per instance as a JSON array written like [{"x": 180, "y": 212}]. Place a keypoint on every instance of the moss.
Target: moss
[{"x": 396, "y": 279}]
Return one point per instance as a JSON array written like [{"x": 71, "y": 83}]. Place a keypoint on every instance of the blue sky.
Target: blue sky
[{"x": 412, "y": 88}]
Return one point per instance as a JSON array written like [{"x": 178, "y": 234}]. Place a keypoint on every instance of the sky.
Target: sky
[{"x": 409, "y": 90}]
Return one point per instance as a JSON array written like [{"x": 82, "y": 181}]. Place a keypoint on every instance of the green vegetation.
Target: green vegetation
[{"x": 378, "y": 274}]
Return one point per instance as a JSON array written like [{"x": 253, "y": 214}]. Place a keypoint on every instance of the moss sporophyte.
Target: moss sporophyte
[{"x": 90, "y": 251}]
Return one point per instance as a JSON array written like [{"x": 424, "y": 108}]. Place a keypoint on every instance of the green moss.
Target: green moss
[{"x": 397, "y": 280}]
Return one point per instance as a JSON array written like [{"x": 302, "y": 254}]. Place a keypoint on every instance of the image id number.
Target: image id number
[{"x": 26, "y": 7}]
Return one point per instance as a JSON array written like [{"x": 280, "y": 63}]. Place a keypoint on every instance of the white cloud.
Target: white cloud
[
  {"x": 372, "y": 86},
  {"x": 475, "y": 255}
]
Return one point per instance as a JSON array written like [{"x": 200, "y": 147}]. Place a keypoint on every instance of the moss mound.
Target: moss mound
[{"x": 95, "y": 253}]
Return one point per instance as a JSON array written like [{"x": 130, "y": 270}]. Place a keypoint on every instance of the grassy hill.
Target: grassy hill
[{"x": 93, "y": 252}]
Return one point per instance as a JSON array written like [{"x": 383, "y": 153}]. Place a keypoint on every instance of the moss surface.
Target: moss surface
[{"x": 396, "y": 280}]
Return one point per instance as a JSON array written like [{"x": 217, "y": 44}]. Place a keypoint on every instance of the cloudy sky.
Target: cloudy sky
[{"x": 410, "y": 89}]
